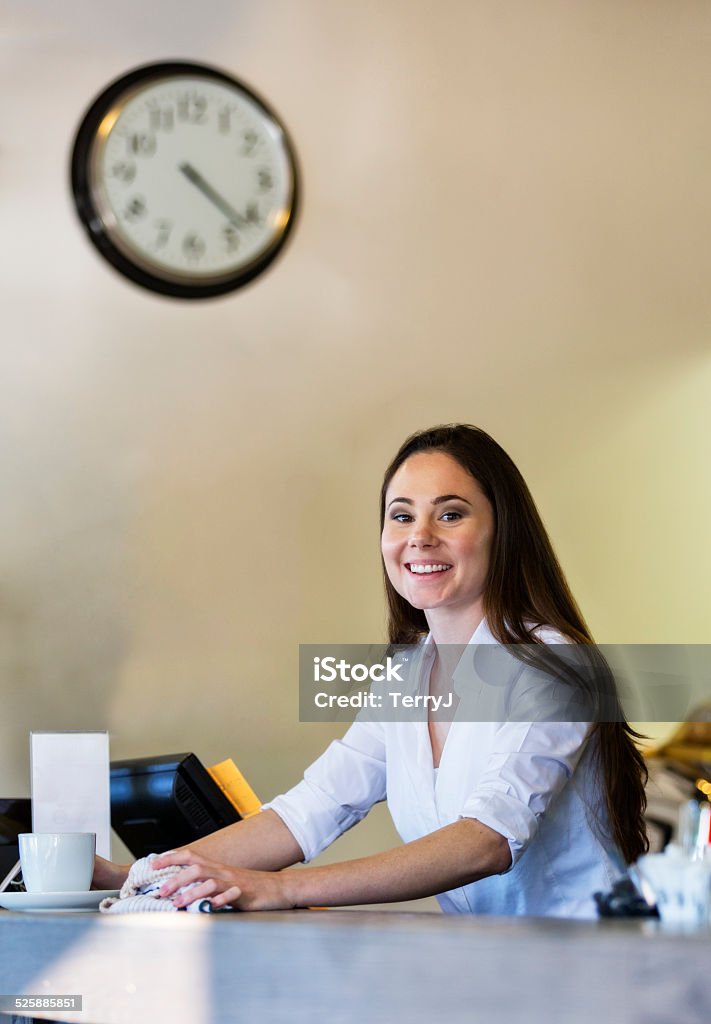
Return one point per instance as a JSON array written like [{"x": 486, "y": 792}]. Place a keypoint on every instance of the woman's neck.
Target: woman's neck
[{"x": 448, "y": 627}]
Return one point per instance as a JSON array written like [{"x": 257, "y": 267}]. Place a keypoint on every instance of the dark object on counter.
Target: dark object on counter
[
  {"x": 624, "y": 901},
  {"x": 160, "y": 803},
  {"x": 15, "y": 817}
]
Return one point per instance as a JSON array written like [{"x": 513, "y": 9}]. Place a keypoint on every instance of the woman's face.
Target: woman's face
[{"x": 437, "y": 535}]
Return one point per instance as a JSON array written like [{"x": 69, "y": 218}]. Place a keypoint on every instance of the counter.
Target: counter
[{"x": 344, "y": 966}]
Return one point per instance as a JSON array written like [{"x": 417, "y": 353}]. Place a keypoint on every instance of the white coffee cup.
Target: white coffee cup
[{"x": 57, "y": 861}]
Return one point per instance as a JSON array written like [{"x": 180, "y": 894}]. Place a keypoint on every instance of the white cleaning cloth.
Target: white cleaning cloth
[{"x": 140, "y": 891}]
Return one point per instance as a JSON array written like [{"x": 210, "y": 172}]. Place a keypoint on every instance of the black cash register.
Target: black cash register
[{"x": 163, "y": 802}]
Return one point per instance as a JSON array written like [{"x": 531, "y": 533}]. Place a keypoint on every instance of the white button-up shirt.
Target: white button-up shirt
[{"x": 535, "y": 783}]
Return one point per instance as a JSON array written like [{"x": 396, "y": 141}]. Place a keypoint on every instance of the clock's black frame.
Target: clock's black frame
[{"x": 91, "y": 219}]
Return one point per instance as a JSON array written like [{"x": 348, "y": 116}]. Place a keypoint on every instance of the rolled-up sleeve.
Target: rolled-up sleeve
[
  {"x": 529, "y": 765},
  {"x": 337, "y": 790}
]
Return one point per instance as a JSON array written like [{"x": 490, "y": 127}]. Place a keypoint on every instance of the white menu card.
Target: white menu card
[{"x": 70, "y": 784}]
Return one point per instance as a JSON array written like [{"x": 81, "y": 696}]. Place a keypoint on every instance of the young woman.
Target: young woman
[{"x": 503, "y": 817}]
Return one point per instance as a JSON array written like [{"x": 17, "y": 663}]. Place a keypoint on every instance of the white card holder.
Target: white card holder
[{"x": 70, "y": 784}]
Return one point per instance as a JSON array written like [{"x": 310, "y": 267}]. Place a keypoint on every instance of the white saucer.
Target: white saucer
[{"x": 50, "y": 902}]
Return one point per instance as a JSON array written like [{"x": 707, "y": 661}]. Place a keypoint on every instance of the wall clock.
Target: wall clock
[{"x": 184, "y": 179}]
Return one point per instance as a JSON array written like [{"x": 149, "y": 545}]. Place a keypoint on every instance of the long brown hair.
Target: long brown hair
[{"x": 525, "y": 589}]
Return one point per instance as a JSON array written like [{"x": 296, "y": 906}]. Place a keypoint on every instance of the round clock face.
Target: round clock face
[{"x": 184, "y": 179}]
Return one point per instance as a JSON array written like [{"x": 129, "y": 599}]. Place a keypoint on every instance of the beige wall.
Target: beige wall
[{"x": 506, "y": 219}]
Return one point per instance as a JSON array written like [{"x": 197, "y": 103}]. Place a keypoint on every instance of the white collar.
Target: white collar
[{"x": 481, "y": 635}]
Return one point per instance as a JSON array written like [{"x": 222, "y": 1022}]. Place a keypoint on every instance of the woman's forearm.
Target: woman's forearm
[
  {"x": 455, "y": 855},
  {"x": 262, "y": 843},
  {"x": 216, "y": 869}
]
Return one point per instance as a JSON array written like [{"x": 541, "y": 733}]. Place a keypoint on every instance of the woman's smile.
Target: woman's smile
[{"x": 426, "y": 568}]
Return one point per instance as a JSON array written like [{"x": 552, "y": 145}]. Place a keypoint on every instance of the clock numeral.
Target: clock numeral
[
  {"x": 250, "y": 139},
  {"x": 193, "y": 247},
  {"x": 135, "y": 209},
  {"x": 230, "y": 236},
  {"x": 252, "y": 213},
  {"x": 265, "y": 179},
  {"x": 163, "y": 229},
  {"x": 224, "y": 116},
  {"x": 124, "y": 170},
  {"x": 160, "y": 117},
  {"x": 141, "y": 144},
  {"x": 192, "y": 107}
]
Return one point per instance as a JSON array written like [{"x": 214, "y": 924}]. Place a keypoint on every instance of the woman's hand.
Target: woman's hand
[
  {"x": 221, "y": 884},
  {"x": 108, "y": 875}
]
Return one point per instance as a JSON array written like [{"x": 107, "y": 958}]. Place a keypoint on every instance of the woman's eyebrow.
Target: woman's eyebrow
[
  {"x": 449, "y": 497},
  {"x": 435, "y": 501}
]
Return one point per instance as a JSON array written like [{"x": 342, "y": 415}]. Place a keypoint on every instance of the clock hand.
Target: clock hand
[{"x": 210, "y": 193}]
